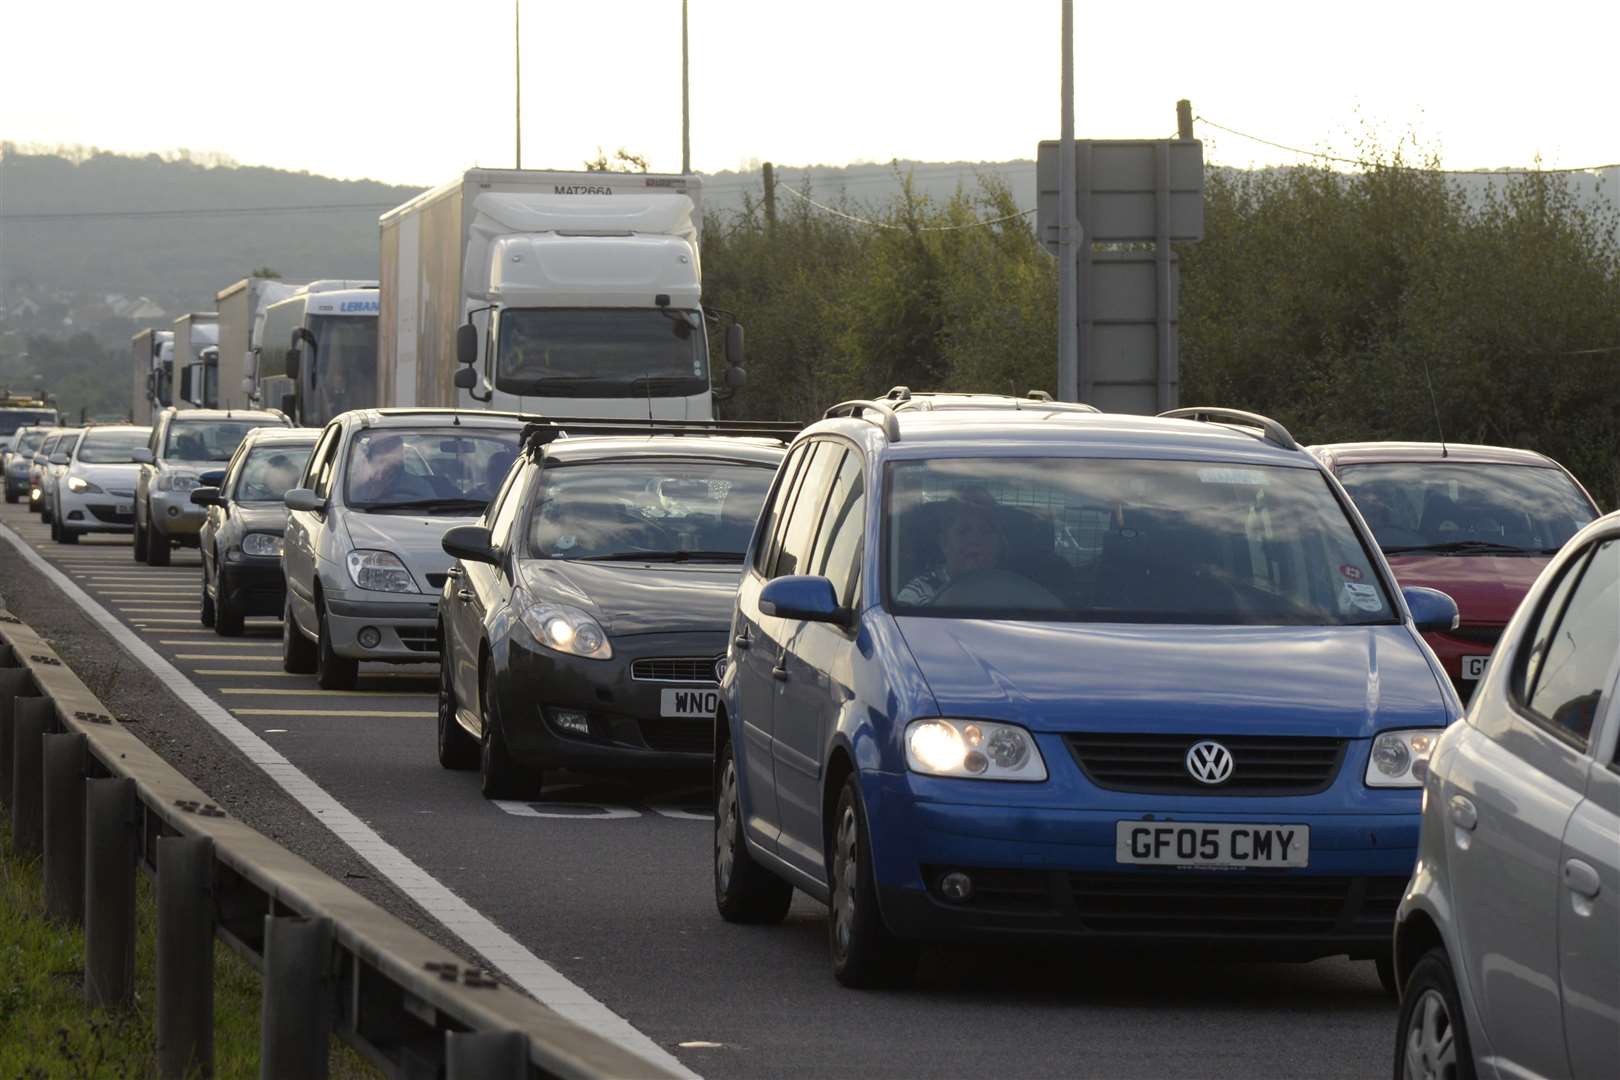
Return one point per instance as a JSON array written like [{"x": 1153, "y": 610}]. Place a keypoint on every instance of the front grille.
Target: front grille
[
  {"x": 419, "y": 639},
  {"x": 109, "y": 513},
  {"x": 675, "y": 669},
  {"x": 1156, "y": 764},
  {"x": 1214, "y": 904},
  {"x": 1479, "y": 635},
  {"x": 437, "y": 580},
  {"x": 682, "y": 736}
]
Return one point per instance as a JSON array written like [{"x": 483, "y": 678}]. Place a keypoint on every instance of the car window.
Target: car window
[
  {"x": 398, "y": 468},
  {"x": 787, "y": 477},
  {"x": 837, "y": 554},
  {"x": 1126, "y": 540},
  {"x": 266, "y": 473},
  {"x": 798, "y": 531},
  {"x": 110, "y": 447},
  {"x": 206, "y": 440},
  {"x": 1578, "y": 654},
  {"x": 1413, "y": 506},
  {"x": 319, "y": 475},
  {"x": 511, "y": 503}
]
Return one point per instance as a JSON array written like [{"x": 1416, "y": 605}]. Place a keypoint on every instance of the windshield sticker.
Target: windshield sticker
[
  {"x": 1249, "y": 477},
  {"x": 1350, "y": 571},
  {"x": 566, "y": 541},
  {"x": 1363, "y": 595}
]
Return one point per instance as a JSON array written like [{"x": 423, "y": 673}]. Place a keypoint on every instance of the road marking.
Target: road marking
[
  {"x": 534, "y": 975},
  {"x": 177, "y": 630},
  {"x": 280, "y": 691},
  {"x": 243, "y": 671},
  {"x": 147, "y": 620},
  {"x": 227, "y": 643},
  {"x": 225, "y": 656},
  {"x": 365, "y": 713}
]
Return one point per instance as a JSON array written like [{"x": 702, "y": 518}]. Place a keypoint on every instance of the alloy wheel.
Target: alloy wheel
[
  {"x": 845, "y": 866},
  {"x": 1431, "y": 1045},
  {"x": 725, "y": 827}
]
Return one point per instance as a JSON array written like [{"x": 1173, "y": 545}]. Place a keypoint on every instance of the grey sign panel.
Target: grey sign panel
[
  {"x": 1128, "y": 333},
  {"x": 1118, "y": 184}
]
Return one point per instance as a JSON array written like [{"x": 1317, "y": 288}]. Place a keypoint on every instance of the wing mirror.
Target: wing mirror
[
  {"x": 466, "y": 378},
  {"x": 1432, "y": 610},
  {"x": 142, "y": 455},
  {"x": 470, "y": 542},
  {"x": 206, "y": 496},
  {"x": 60, "y": 459},
  {"x": 212, "y": 478},
  {"x": 304, "y": 499},
  {"x": 466, "y": 345},
  {"x": 803, "y": 597}
]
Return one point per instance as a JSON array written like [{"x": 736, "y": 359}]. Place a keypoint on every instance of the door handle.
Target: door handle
[
  {"x": 1581, "y": 878},
  {"x": 779, "y": 672},
  {"x": 465, "y": 594},
  {"x": 453, "y": 572},
  {"x": 1463, "y": 814},
  {"x": 742, "y": 640}
]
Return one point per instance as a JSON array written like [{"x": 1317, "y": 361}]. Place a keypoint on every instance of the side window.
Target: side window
[
  {"x": 508, "y": 504},
  {"x": 324, "y": 461},
  {"x": 1578, "y": 656},
  {"x": 773, "y": 513},
  {"x": 837, "y": 554},
  {"x": 799, "y": 528}
]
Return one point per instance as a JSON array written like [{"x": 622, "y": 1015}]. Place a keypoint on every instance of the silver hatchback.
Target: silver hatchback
[{"x": 1507, "y": 943}]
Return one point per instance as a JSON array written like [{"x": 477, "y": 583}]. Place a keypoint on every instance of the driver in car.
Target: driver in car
[
  {"x": 384, "y": 478},
  {"x": 970, "y": 541}
]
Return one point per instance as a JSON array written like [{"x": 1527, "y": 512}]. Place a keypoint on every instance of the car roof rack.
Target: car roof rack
[
  {"x": 543, "y": 430},
  {"x": 1270, "y": 431},
  {"x": 862, "y": 409},
  {"x": 921, "y": 398}
]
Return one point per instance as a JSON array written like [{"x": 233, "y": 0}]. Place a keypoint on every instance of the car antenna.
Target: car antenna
[
  {"x": 1435, "y": 404},
  {"x": 647, "y": 379}
]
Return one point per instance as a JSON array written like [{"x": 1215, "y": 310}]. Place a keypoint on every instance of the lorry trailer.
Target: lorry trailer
[
  {"x": 241, "y": 310},
  {"x": 152, "y": 366}
]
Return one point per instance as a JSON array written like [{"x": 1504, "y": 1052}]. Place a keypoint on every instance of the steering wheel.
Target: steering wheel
[{"x": 997, "y": 588}]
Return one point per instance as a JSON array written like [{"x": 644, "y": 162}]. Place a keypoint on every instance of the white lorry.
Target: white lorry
[
  {"x": 152, "y": 365},
  {"x": 241, "y": 310},
  {"x": 317, "y": 353},
  {"x": 196, "y": 359},
  {"x": 564, "y": 293}
]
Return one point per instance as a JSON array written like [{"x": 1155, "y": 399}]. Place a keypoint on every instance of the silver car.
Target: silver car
[
  {"x": 1507, "y": 942},
  {"x": 58, "y": 458},
  {"x": 18, "y": 457},
  {"x": 362, "y": 554},
  {"x": 96, "y": 491}
]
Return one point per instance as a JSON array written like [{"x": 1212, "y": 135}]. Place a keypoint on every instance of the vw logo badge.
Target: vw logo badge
[
  {"x": 1209, "y": 763},
  {"x": 719, "y": 669}
]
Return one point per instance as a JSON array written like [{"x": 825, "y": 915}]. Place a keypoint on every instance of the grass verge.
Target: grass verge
[{"x": 46, "y": 1030}]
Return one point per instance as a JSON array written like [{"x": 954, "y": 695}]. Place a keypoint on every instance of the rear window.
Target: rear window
[
  {"x": 112, "y": 447},
  {"x": 207, "y": 440},
  {"x": 1451, "y": 509},
  {"x": 1123, "y": 540},
  {"x": 270, "y": 471}
]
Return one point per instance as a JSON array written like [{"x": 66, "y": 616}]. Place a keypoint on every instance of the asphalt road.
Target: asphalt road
[{"x": 610, "y": 883}]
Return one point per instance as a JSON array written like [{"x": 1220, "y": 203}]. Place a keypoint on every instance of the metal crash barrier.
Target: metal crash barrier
[{"x": 97, "y": 804}]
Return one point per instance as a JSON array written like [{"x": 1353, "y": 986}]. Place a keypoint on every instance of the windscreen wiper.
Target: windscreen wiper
[
  {"x": 427, "y": 504},
  {"x": 1461, "y": 547},
  {"x": 665, "y": 556}
]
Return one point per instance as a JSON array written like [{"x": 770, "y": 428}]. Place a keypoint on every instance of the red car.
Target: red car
[{"x": 1475, "y": 522}]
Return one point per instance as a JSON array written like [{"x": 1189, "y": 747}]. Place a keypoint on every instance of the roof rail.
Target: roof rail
[
  {"x": 1271, "y": 431},
  {"x": 898, "y": 393},
  {"x": 859, "y": 410},
  {"x": 543, "y": 430},
  {"x": 1038, "y": 395}
]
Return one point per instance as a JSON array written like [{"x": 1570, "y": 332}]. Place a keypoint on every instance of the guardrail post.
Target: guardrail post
[
  {"x": 30, "y": 720},
  {"x": 296, "y": 1019},
  {"x": 185, "y": 956},
  {"x": 109, "y": 893},
  {"x": 15, "y": 683},
  {"x": 64, "y": 827},
  {"x": 475, "y": 1055}
]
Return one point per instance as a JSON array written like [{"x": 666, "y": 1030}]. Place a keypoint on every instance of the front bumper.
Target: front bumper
[
  {"x": 409, "y": 628},
  {"x": 1049, "y": 872},
  {"x": 175, "y": 515},
  {"x": 97, "y": 511},
  {"x": 254, "y": 586},
  {"x": 17, "y": 481},
  {"x": 627, "y": 730}
]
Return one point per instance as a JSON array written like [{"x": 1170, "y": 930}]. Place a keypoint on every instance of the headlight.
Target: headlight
[
  {"x": 380, "y": 571},
  {"x": 978, "y": 749},
  {"x": 177, "y": 482},
  {"x": 1401, "y": 758},
  {"x": 266, "y": 546},
  {"x": 568, "y": 630},
  {"x": 82, "y": 486}
]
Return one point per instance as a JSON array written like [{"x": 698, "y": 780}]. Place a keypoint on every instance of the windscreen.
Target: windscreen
[
  {"x": 1122, "y": 540},
  {"x": 436, "y": 470},
  {"x": 662, "y": 508},
  {"x": 1467, "y": 508},
  {"x": 270, "y": 471},
  {"x": 601, "y": 352},
  {"x": 206, "y": 440},
  {"x": 342, "y": 368},
  {"x": 30, "y": 442},
  {"x": 112, "y": 447},
  {"x": 12, "y": 419}
]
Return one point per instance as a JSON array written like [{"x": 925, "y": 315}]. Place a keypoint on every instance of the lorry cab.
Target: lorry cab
[
  {"x": 317, "y": 352},
  {"x": 195, "y": 361}
]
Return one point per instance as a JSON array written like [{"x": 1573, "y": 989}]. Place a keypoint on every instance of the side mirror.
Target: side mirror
[
  {"x": 736, "y": 377},
  {"x": 206, "y": 496},
  {"x": 304, "y": 499},
  {"x": 466, "y": 378},
  {"x": 289, "y": 404},
  {"x": 142, "y": 455},
  {"x": 803, "y": 597},
  {"x": 470, "y": 542},
  {"x": 734, "y": 345},
  {"x": 60, "y": 459},
  {"x": 212, "y": 478},
  {"x": 1432, "y": 610},
  {"x": 467, "y": 344},
  {"x": 294, "y": 362}
]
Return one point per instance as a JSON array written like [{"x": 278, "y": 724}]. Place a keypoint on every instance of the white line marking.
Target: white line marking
[
  {"x": 225, "y": 656},
  {"x": 227, "y": 643},
  {"x": 281, "y": 691},
  {"x": 380, "y": 714},
  {"x": 546, "y": 983},
  {"x": 144, "y": 620},
  {"x": 244, "y": 671}
]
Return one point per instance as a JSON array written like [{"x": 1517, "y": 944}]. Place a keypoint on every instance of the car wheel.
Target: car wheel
[
  {"x": 11, "y": 496},
  {"x": 744, "y": 891},
  {"x": 499, "y": 776},
  {"x": 157, "y": 546},
  {"x": 864, "y": 953},
  {"x": 56, "y": 531},
  {"x": 456, "y": 748},
  {"x": 45, "y": 514},
  {"x": 297, "y": 651},
  {"x": 67, "y": 535},
  {"x": 332, "y": 672},
  {"x": 206, "y": 617},
  {"x": 140, "y": 544},
  {"x": 1431, "y": 1041},
  {"x": 227, "y": 616}
]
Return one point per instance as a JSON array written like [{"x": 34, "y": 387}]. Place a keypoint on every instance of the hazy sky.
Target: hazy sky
[{"x": 411, "y": 91}]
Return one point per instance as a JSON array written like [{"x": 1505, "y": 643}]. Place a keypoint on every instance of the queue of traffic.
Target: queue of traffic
[{"x": 986, "y": 668}]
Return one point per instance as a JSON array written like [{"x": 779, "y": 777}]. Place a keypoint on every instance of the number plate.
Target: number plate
[
  {"x": 124, "y": 508},
  {"x": 1473, "y": 667},
  {"x": 676, "y": 703},
  {"x": 1175, "y": 843}
]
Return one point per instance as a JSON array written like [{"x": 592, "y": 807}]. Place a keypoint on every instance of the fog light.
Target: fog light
[
  {"x": 956, "y": 887},
  {"x": 75, "y": 515},
  {"x": 174, "y": 511},
  {"x": 571, "y": 720},
  {"x": 369, "y": 637}
]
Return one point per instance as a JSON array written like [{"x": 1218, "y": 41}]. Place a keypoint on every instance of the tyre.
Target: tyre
[
  {"x": 206, "y": 617},
  {"x": 744, "y": 891},
  {"x": 45, "y": 514},
  {"x": 865, "y": 954},
  {"x": 140, "y": 543},
  {"x": 11, "y": 496},
  {"x": 332, "y": 672},
  {"x": 457, "y": 750},
  {"x": 56, "y": 531},
  {"x": 499, "y": 776},
  {"x": 1431, "y": 1040},
  {"x": 297, "y": 651},
  {"x": 227, "y": 616},
  {"x": 157, "y": 546},
  {"x": 66, "y": 535}
]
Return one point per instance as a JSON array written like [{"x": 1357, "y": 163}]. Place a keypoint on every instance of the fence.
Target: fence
[{"x": 96, "y": 804}]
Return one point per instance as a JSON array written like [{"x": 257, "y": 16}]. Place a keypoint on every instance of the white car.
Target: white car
[
  {"x": 53, "y": 468},
  {"x": 1507, "y": 942},
  {"x": 96, "y": 490}
]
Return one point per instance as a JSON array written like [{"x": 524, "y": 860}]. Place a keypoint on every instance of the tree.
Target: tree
[{"x": 623, "y": 161}]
